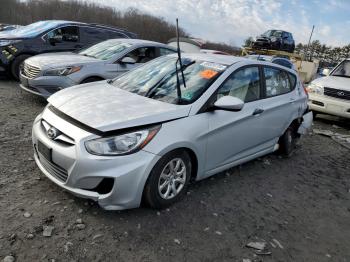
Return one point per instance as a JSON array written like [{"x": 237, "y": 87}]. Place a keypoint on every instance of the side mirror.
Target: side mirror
[
  {"x": 128, "y": 60},
  {"x": 229, "y": 103},
  {"x": 325, "y": 72}
]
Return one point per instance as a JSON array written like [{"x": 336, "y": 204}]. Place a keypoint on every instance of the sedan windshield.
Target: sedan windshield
[
  {"x": 105, "y": 50},
  {"x": 343, "y": 69},
  {"x": 157, "y": 79}
]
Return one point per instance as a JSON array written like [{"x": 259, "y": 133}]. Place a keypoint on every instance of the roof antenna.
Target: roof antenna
[{"x": 179, "y": 51}]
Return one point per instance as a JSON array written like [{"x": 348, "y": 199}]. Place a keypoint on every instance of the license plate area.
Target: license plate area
[{"x": 45, "y": 151}]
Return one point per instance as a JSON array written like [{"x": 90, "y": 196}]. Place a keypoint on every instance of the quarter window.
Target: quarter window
[
  {"x": 243, "y": 84},
  {"x": 277, "y": 82}
]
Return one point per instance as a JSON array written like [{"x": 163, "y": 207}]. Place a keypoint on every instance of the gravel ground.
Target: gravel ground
[{"x": 299, "y": 207}]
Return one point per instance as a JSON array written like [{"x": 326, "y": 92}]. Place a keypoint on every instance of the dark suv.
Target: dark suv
[
  {"x": 50, "y": 36},
  {"x": 275, "y": 39}
]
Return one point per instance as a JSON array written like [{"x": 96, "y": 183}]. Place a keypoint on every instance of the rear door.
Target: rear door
[{"x": 279, "y": 104}]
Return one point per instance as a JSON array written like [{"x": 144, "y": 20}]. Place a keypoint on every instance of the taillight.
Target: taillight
[{"x": 305, "y": 89}]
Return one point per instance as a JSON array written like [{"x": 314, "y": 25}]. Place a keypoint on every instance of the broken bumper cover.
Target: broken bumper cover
[{"x": 306, "y": 123}]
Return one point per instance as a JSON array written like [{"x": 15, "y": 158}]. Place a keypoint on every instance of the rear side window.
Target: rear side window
[
  {"x": 277, "y": 81},
  {"x": 113, "y": 34},
  {"x": 243, "y": 84},
  {"x": 283, "y": 62},
  {"x": 165, "y": 51}
]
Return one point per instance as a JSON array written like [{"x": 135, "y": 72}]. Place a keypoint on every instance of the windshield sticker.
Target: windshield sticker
[
  {"x": 208, "y": 73},
  {"x": 217, "y": 67}
]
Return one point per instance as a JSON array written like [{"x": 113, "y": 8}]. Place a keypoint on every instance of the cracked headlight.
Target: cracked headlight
[
  {"x": 121, "y": 144},
  {"x": 315, "y": 89},
  {"x": 62, "y": 71}
]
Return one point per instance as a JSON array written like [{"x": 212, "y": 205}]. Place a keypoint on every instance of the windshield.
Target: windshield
[
  {"x": 343, "y": 69},
  {"x": 157, "y": 79},
  {"x": 105, "y": 50},
  {"x": 32, "y": 30},
  {"x": 275, "y": 33}
]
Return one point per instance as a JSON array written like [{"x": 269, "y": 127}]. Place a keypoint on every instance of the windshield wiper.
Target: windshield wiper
[
  {"x": 89, "y": 55},
  {"x": 342, "y": 76}
]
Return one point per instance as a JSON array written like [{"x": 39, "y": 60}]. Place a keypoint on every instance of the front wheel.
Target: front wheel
[
  {"x": 168, "y": 180},
  {"x": 17, "y": 65}
]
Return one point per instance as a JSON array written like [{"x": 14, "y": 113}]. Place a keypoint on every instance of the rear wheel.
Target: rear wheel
[
  {"x": 168, "y": 180},
  {"x": 17, "y": 65},
  {"x": 288, "y": 141}
]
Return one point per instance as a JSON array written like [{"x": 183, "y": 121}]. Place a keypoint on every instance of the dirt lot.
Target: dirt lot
[{"x": 299, "y": 207}]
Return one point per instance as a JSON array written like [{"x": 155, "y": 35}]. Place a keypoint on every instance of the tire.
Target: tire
[
  {"x": 16, "y": 65},
  {"x": 91, "y": 79},
  {"x": 287, "y": 142},
  {"x": 159, "y": 198}
]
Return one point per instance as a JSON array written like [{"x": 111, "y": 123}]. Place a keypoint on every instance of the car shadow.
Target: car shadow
[{"x": 333, "y": 120}]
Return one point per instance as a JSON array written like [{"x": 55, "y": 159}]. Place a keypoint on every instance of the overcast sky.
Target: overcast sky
[{"x": 232, "y": 21}]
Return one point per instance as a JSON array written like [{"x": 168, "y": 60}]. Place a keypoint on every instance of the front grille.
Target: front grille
[
  {"x": 30, "y": 71},
  {"x": 61, "y": 138},
  {"x": 54, "y": 170},
  {"x": 337, "y": 93}
]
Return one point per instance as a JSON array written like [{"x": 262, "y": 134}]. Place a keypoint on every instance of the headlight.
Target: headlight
[
  {"x": 273, "y": 39},
  {"x": 121, "y": 144},
  {"x": 62, "y": 71},
  {"x": 315, "y": 89},
  {"x": 8, "y": 42}
]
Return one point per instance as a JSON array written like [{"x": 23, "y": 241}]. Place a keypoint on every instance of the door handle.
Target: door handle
[{"x": 258, "y": 111}]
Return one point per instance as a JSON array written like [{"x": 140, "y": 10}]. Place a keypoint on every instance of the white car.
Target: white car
[{"x": 331, "y": 94}]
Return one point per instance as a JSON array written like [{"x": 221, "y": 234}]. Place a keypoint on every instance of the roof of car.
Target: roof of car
[
  {"x": 140, "y": 42},
  {"x": 214, "y": 58}
]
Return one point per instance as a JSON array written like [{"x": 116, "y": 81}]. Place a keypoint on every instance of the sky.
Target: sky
[{"x": 232, "y": 21}]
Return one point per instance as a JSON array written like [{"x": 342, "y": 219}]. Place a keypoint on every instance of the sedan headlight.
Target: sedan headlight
[
  {"x": 62, "y": 71},
  {"x": 315, "y": 89},
  {"x": 121, "y": 144}
]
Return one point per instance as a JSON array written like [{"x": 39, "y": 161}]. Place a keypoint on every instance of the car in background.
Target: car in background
[
  {"x": 46, "y": 74},
  {"x": 7, "y": 27},
  {"x": 275, "y": 39},
  {"x": 50, "y": 36},
  {"x": 331, "y": 94},
  {"x": 274, "y": 59},
  {"x": 215, "y": 52},
  {"x": 145, "y": 134}
]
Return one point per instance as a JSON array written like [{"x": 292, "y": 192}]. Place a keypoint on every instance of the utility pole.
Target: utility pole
[{"x": 308, "y": 45}]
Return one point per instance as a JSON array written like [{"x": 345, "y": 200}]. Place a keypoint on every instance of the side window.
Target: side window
[
  {"x": 142, "y": 54},
  {"x": 93, "y": 34},
  {"x": 283, "y": 62},
  {"x": 277, "y": 82},
  {"x": 113, "y": 34},
  {"x": 243, "y": 84},
  {"x": 165, "y": 51},
  {"x": 65, "y": 34}
]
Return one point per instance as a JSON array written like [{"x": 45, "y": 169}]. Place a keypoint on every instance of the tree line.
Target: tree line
[{"x": 144, "y": 25}]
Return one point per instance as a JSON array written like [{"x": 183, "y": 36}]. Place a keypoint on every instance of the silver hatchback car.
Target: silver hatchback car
[
  {"x": 46, "y": 74},
  {"x": 145, "y": 134}
]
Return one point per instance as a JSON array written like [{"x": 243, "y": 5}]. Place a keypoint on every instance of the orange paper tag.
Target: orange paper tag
[{"x": 207, "y": 74}]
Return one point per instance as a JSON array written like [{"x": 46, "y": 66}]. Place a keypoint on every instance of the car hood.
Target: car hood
[
  {"x": 336, "y": 82},
  {"x": 105, "y": 107},
  {"x": 56, "y": 60}
]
